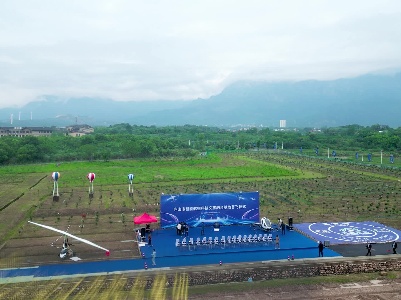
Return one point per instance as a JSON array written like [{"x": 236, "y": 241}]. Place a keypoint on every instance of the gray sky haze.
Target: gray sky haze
[{"x": 171, "y": 50}]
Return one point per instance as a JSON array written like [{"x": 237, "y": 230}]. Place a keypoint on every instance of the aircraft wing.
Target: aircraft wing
[{"x": 73, "y": 236}]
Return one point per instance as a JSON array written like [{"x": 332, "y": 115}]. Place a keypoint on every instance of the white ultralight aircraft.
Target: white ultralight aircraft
[{"x": 66, "y": 251}]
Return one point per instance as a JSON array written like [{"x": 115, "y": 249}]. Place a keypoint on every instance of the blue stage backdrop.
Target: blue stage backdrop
[{"x": 224, "y": 208}]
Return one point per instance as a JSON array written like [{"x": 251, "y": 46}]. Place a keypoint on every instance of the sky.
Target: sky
[{"x": 182, "y": 50}]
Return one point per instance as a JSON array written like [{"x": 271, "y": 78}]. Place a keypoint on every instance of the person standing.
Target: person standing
[
  {"x": 369, "y": 248},
  {"x": 321, "y": 247},
  {"x": 282, "y": 228},
  {"x": 150, "y": 240},
  {"x": 179, "y": 226},
  {"x": 394, "y": 246},
  {"x": 154, "y": 257},
  {"x": 277, "y": 242}
]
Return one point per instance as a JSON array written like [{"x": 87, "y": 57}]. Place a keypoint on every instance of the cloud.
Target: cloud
[{"x": 139, "y": 50}]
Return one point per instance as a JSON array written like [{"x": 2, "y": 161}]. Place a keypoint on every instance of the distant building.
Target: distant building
[
  {"x": 79, "y": 130},
  {"x": 26, "y": 131},
  {"x": 283, "y": 123}
]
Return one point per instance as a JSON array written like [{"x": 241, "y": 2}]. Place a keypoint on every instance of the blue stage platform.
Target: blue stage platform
[{"x": 291, "y": 243}]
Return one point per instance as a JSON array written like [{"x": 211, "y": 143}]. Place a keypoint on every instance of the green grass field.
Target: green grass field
[{"x": 306, "y": 188}]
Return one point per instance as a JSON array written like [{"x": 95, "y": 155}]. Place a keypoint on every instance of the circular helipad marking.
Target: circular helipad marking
[{"x": 354, "y": 232}]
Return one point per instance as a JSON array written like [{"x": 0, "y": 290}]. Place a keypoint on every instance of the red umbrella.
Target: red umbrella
[{"x": 145, "y": 219}]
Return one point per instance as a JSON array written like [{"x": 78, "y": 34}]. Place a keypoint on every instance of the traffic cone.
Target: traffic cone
[
  {"x": 143, "y": 255},
  {"x": 292, "y": 257},
  {"x": 220, "y": 263},
  {"x": 288, "y": 257},
  {"x": 146, "y": 266}
]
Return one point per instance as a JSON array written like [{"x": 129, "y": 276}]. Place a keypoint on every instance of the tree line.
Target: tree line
[{"x": 125, "y": 141}]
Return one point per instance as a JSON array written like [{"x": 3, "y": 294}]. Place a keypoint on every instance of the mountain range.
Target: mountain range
[{"x": 364, "y": 100}]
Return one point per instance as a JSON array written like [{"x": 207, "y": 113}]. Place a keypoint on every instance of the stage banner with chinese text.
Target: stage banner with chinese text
[{"x": 223, "y": 208}]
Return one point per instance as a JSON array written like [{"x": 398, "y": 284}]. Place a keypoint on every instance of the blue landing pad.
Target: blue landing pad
[{"x": 349, "y": 232}]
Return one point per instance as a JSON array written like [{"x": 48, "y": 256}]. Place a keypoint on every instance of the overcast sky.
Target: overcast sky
[{"x": 139, "y": 50}]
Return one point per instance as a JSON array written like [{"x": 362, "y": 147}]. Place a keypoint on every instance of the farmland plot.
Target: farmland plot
[{"x": 307, "y": 189}]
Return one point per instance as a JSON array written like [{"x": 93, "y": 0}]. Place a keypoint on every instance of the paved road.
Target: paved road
[{"x": 360, "y": 249}]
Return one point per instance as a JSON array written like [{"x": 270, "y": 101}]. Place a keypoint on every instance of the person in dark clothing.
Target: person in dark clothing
[
  {"x": 321, "y": 247},
  {"x": 394, "y": 246},
  {"x": 282, "y": 228},
  {"x": 179, "y": 228},
  {"x": 369, "y": 248},
  {"x": 150, "y": 240}
]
